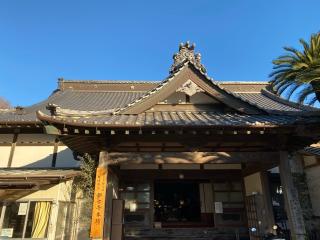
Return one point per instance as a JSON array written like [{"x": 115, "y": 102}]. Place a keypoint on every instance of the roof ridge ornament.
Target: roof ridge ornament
[
  {"x": 52, "y": 108},
  {"x": 186, "y": 53}
]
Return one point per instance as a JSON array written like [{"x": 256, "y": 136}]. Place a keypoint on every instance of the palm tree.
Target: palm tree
[{"x": 299, "y": 68}]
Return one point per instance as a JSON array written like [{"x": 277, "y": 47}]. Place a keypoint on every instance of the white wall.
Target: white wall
[
  {"x": 32, "y": 156},
  {"x": 46, "y": 193},
  {"x": 35, "y": 151},
  {"x": 41, "y": 156},
  {"x": 56, "y": 192},
  {"x": 4, "y": 155}
]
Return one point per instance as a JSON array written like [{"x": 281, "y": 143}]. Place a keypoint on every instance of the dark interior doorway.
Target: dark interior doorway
[{"x": 177, "y": 201}]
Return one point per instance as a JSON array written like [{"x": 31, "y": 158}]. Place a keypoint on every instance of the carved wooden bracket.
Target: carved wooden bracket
[{"x": 190, "y": 88}]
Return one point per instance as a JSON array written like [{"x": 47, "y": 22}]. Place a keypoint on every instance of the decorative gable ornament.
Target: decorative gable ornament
[
  {"x": 186, "y": 53},
  {"x": 190, "y": 88}
]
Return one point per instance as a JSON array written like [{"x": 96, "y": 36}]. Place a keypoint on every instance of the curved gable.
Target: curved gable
[{"x": 188, "y": 79}]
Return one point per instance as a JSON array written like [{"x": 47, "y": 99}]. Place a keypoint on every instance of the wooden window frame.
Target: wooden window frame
[{"x": 29, "y": 201}]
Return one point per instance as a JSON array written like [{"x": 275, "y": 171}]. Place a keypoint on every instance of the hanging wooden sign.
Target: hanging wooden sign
[
  {"x": 218, "y": 207},
  {"x": 98, "y": 210}
]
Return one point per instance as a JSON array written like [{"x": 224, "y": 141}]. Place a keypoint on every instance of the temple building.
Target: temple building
[{"x": 188, "y": 157}]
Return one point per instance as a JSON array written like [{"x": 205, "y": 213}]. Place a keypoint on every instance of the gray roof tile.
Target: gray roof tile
[
  {"x": 266, "y": 102},
  {"x": 182, "y": 118},
  {"x": 80, "y": 100},
  {"x": 76, "y": 100},
  {"x": 6, "y": 173}
]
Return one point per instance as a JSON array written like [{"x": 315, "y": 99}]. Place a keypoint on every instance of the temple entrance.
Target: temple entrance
[
  {"x": 180, "y": 203},
  {"x": 177, "y": 203}
]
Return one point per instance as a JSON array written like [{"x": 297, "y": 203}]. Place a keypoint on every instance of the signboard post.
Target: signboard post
[{"x": 98, "y": 210}]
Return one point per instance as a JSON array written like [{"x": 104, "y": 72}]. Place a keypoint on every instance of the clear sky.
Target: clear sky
[{"x": 135, "y": 40}]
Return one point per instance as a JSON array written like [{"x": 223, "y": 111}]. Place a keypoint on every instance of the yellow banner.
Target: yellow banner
[{"x": 99, "y": 199}]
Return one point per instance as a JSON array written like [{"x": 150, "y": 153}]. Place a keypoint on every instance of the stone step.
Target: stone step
[
  {"x": 180, "y": 233},
  {"x": 215, "y": 237}
]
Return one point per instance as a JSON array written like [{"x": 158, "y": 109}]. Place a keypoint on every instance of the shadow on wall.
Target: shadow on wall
[{"x": 64, "y": 159}]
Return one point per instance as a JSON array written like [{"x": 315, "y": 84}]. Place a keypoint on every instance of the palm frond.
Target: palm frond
[
  {"x": 304, "y": 94},
  {"x": 280, "y": 85},
  {"x": 284, "y": 87},
  {"x": 296, "y": 53},
  {"x": 278, "y": 71},
  {"x": 296, "y": 68},
  {"x": 313, "y": 100},
  {"x": 290, "y": 92}
]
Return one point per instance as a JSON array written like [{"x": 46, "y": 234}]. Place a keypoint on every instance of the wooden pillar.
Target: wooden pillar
[
  {"x": 99, "y": 200},
  {"x": 291, "y": 196}
]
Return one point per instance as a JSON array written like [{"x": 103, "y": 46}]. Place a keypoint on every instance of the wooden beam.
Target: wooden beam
[
  {"x": 191, "y": 157},
  {"x": 13, "y": 146},
  {"x": 207, "y": 143}
]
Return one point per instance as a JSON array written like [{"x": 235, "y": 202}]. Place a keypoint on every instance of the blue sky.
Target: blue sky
[{"x": 135, "y": 40}]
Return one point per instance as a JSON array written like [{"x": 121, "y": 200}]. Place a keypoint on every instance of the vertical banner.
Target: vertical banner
[{"x": 97, "y": 220}]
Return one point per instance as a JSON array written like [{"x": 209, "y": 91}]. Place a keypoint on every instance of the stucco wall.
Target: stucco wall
[
  {"x": 57, "y": 192},
  {"x": 33, "y": 151},
  {"x": 48, "y": 193},
  {"x": 4, "y": 155},
  {"x": 32, "y": 156}
]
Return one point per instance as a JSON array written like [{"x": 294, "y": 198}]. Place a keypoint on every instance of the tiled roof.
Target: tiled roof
[
  {"x": 242, "y": 87},
  {"x": 156, "y": 89},
  {"x": 76, "y": 100},
  {"x": 91, "y": 103},
  {"x": 16, "y": 173},
  {"x": 263, "y": 102},
  {"x": 273, "y": 104},
  {"x": 23, "y": 178},
  {"x": 142, "y": 85},
  {"x": 94, "y": 101},
  {"x": 180, "y": 118},
  {"x": 266, "y": 103},
  {"x": 102, "y": 101}
]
